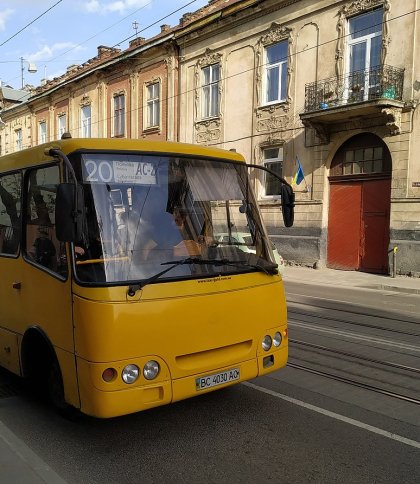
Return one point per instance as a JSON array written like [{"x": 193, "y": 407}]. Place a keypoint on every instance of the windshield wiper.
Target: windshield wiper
[{"x": 133, "y": 288}]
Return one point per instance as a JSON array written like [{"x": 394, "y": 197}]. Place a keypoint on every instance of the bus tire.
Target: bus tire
[{"x": 55, "y": 391}]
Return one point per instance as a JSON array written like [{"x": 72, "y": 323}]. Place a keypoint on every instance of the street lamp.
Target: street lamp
[{"x": 31, "y": 68}]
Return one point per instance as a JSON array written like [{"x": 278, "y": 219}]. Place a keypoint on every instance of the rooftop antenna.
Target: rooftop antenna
[{"x": 136, "y": 26}]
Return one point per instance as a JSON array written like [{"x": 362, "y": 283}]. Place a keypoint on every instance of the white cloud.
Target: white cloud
[
  {"x": 46, "y": 52},
  {"x": 4, "y": 15},
  {"x": 120, "y": 6}
]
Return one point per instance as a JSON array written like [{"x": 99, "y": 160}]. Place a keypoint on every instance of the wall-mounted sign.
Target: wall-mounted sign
[{"x": 415, "y": 184}]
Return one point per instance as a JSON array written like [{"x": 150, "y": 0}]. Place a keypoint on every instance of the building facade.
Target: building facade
[
  {"x": 115, "y": 94},
  {"x": 329, "y": 88},
  {"x": 322, "y": 92}
]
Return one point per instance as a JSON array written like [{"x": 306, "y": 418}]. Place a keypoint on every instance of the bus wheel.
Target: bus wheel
[{"x": 55, "y": 389}]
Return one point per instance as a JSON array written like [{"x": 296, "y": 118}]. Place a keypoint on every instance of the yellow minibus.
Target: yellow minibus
[{"x": 117, "y": 293}]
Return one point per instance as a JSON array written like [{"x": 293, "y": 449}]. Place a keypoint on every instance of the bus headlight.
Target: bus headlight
[
  {"x": 267, "y": 342},
  {"x": 277, "y": 339},
  {"x": 151, "y": 370},
  {"x": 130, "y": 373}
]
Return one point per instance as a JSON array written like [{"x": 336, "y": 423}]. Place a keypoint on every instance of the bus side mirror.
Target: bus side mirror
[
  {"x": 287, "y": 205},
  {"x": 69, "y": 212}
]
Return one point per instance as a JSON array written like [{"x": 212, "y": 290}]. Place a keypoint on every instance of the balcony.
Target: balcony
[{"x": 361, "y": 94}]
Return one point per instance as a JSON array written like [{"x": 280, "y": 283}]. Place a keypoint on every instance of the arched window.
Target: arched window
[{"x": 361, "y": 156}]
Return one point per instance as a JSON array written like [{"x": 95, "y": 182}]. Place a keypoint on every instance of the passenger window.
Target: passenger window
[
  {"x": 10, "y": 213},
  {"x": 42, "y": 245}
]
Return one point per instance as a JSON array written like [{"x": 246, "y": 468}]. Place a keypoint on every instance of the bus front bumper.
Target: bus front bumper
[{"x": 101, "y": 403}]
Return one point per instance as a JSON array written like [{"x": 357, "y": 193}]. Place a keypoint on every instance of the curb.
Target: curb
[
  {"x": 361, "y": 286},
  {"x": 20, "y": 464}
]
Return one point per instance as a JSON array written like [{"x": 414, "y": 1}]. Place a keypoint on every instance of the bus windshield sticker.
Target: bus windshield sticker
[
  {"x": 209, "y": 183},
  {"x": 119, "y": 172}
]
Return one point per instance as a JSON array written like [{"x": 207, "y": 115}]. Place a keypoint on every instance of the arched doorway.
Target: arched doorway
[{"x": 360, "y": 200}]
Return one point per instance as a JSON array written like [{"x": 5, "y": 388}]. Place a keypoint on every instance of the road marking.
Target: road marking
[
  {"x": 378, "y": 308},
  {"x": 362, "y": 337},
  {"x": 337, "y": 416}
]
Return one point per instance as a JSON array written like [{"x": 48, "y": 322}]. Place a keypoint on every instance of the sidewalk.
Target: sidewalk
[
  {"x": 18, "y": 463},
  {"x": 362, "y": 280}
]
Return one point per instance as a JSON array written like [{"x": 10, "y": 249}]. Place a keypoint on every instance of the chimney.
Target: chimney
[
  {"x": 186, "y": 18},
  {"x": 136, "y": 42},
  {"x": 104, "y": 51},
  {"x": 71, "y": 68},
  {"x": 164, "y": 28}
]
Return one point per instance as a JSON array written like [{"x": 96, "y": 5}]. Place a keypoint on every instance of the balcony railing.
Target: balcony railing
[{"x": 382, "y": 82}]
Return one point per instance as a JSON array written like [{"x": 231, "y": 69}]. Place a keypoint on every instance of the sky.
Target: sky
[{"x": 54, "y": 34}]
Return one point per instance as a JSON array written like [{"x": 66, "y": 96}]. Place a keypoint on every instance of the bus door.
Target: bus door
[
  {"x": 46, "y": 301},
  {"x": 10, "y": 268}
]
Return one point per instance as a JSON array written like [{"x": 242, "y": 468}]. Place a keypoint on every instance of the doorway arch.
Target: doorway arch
[{"x": 359, "y": 205}]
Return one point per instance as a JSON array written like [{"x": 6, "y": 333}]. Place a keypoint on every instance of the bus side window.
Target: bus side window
[
  {"x": 42, "y": 245},
  {"x": 10, "y": 208}
]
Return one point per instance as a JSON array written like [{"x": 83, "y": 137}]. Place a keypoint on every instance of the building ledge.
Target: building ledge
[{"x": 385, "y": 111}]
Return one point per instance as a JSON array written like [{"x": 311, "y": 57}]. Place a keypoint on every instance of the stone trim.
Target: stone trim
[
  {"x": 85, "y": 101},
  {"x": 207, "y": 130},
  {"x": 277, "y": 33},
  {"x": 349, "y": 10}
]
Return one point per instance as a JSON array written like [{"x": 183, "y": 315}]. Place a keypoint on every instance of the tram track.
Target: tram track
[
  {"x": 293, "y": 312},
  {"x": 355, "y": 356},
  {"x": 352, "y": 382}
]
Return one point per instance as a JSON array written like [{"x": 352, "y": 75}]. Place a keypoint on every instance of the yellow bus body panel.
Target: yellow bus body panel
[
  {"x": 36, "y": 155},
  {"x": 192, "y": 328},
  {"x": 198, "y": 328}
]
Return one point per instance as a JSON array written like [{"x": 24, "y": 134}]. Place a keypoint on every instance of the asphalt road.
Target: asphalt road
[{"x": 292, "y": 426}]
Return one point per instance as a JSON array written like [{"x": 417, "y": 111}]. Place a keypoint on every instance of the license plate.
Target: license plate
[{"x": 208, "y": 381}]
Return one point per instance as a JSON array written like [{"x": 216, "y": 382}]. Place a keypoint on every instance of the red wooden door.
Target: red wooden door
[
  {"x": 358, "y": 225},
  {"x": 344, "y": 224},
  {"x": 376, "y": 200}
]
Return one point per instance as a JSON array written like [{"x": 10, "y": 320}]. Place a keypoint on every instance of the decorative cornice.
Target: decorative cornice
[
  {"x": 209, "y": 58},
  {"x": 273, "y": 123},
  {"x": 320, "y": 129},
  {"x": 85, "y": 101},
  {"x": 153, "y": 80},
  {"x": 209, "y": 130},
  {"x": 360, "y": 6},
  {"x": 393, "y": 120},
  {"x": 277, "y": 33}
]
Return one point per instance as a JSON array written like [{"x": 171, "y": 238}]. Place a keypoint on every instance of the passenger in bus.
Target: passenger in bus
[
  {"x": 43, "y": 250},
  {"x": 170, "y": 236}
]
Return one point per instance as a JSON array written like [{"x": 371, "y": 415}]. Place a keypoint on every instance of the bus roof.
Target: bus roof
[{"x": 36, "y": 155}]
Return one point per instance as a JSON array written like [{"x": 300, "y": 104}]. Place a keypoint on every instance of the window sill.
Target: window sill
[
  {"x": 151, "y": 129},
  {"x": 208, "y": 120}
]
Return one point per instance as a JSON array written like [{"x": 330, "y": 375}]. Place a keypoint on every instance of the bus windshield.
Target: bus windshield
[{"x": 148, "y": 213}]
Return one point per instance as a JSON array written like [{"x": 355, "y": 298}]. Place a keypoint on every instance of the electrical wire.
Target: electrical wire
[
  {"x": 283, "y": 130},
  {"x": 30, "y": 23},
  {"x": 113, "y": 25}
]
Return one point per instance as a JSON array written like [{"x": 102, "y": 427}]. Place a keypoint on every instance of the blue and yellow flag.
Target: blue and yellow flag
[{"x": 299, "y": 176}]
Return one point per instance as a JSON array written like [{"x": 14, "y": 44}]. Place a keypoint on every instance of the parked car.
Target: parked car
[{"x": 245, "y": 241}]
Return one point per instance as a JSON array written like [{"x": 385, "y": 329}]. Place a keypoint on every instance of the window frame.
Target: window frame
[
  {"x": 42, "y": 132},
  {"x": 209, "y": 110},
  {"x": 59, "y": 128},
  {"x": 266, "y": 163},
  {"x": 24, "y": 211},
  {"x": 366, "y": 40},
  {"x": 19, "y": 139},
  {"x": 118, "y": 126},
  {"x": 280, "y": 66},
  {"x": 20, "y": 215},
  {"x": 153, "y": 102},
  {"x": 86, "y": 122}
]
